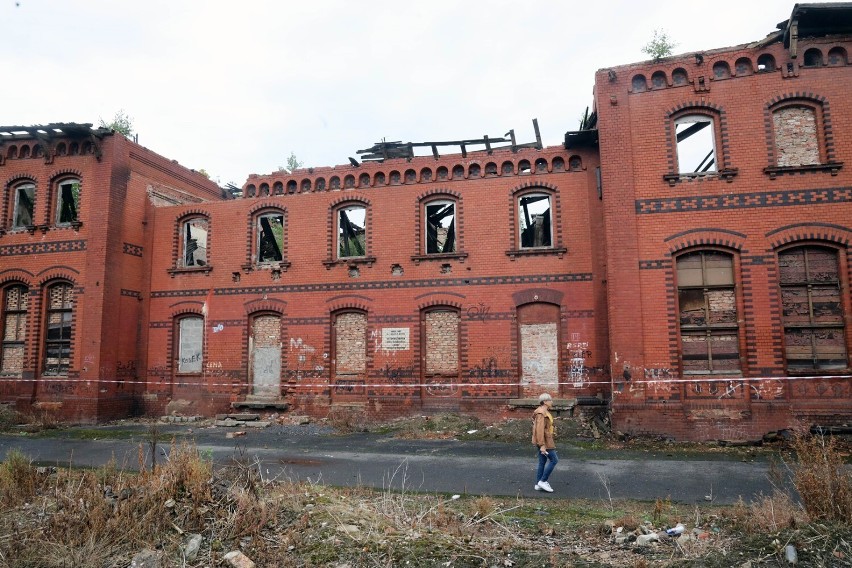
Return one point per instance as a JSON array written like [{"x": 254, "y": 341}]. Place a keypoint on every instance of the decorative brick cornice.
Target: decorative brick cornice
[
  {"x": 57, "y": 274},
  {"x": 795, "y": 197},
  {"x": 339, "y": 307}
]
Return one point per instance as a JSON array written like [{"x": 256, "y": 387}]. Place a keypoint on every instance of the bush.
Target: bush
[{"x": 824, "y": 485}]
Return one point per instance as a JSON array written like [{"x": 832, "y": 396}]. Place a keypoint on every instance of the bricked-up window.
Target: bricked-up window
[
  {"x": 535, "y": 220},
  {"x": 67, "y": 201},
  {"x": 194, "y": 243},
  {"x": 350, "y": 345},
  {"x": 812, "y": 309},
  {"x": 270, "y": 238},
  {"x": 351, "y": 231},
  {"x": 696, "y": 144},
  {"x": 190, "y": 344},
  {"x": 440, "y": 227},
  {"x": 57, "y": 338},
  {"x": 708, "y": 313},
  {"x": 796, "y": 135},
  {"x": 441, "y": 330},
  {"x": 15, "y": 306},
  {"x": 22, "y": 214}
]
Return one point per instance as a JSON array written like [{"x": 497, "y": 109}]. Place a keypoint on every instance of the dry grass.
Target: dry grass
[
  {"x": 824, "y": 485},
  {"x": 101, "y": 518}
]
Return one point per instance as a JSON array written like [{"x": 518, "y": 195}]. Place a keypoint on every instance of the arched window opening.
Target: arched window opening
[
  {"x": 679, "y": 77},
  {"x": 765, "y": 63},
  {"x": 194, "y": 242},
  {"x": 67, "y": 201},
  {"x": 535, "y": 220},
  {"x": 743, "y": 66},
  {"x": 351, "y": 231},
  {"x": 190, "y": 344},
  {"x": 59, "y": 324},
  {"x": 812, "y": 309},
  {"x": 14, "y": 330},
  {"x": 270, "y": 237},
  {"x": 721, "y": 70},
  {"x": 707, "y": 305},
  {"x": 696, "y": 144},
  {"x": 440, "y": 227},
  {"x": 837, "y": 56},
  {"x": 812, "y": 58},
  {"x": 24, "y": 206},
  {"x": 639, "y": 83},
  {"x": 658, "y": 80}
]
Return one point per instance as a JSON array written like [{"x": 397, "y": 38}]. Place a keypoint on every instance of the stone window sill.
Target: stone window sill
[
  {"x": 460, "y": 256},
  {"x": 350, "y": 261},
  {"x": 775, "y": 171},
  {"x": 191, "y": 270},
  {"x": 727, "y": 175},
  {"x": 542, "y": 251}
]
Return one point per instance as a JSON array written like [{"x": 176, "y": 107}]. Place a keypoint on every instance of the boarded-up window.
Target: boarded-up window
[
  {"x": 67, "y": 201},
  {"x": 15, "y": 305},
  {"x": 708, "y": 313},
  {"x": 194, "y": 240},
  {"x": 60, "y": 316},
  {"x": 351, "y": 231},
  {"x": 190, "y": 343},
  {"x": 534, "y": 220},
  {"x": 270, "y": 238},
  {"x": 24, "y": 205},
  {"x": 812, "y": 309},
  {"x": 540, "y": 354},
  {"x": 350, "y": 343},
  {"x": 796, "y": 140},
  {"x": 440, "y": 227},
  {"x": 442, "y": 342}
]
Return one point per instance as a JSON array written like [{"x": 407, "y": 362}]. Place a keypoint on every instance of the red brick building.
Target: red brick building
[{"x": 685, "y": 258}]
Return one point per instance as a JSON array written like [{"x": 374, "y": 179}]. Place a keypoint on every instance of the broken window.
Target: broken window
[
  {"x": 837, "y": 56},
  {"x": 190, "y": 344},
  {"x": 796, "y": 136},
  {"x": 707, "y": 306},
  {"x": 270, "y": 238},
  {"x": 440, "y": 227},
  {"x": 67, "y": 201},
  {"x": 535, "y": 220},
  {"x": 812, "y": 309},
  {"x": 351, "y": 231},
  {"x": 696, "y": 146},
  {"x": 57, "y": 340},
  {"x": 194, "y": 243},
  {"x": 24, "y": 205},
  {"x": 14, "y": 330}
]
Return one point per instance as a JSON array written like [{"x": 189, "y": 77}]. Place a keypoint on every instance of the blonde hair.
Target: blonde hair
[{"x": 544, "y": 397}]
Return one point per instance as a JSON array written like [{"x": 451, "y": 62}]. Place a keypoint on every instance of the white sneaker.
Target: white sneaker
[
  {"x": 537, "y": 487},
  {"x": 545, "y": 486}
]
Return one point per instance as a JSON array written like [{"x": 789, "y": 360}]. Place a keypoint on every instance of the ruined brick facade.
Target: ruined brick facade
[{"x": 686, "y": 259}]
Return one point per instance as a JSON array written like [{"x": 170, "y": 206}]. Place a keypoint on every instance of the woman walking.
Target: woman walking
[{"x": 542, "y": 438}]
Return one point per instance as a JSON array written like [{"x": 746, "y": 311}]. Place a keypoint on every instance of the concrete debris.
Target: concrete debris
[
  {"x": 646, "y": 539},
  {"x": 146, "y": 558},
  {"x": 231, "y": 435},
  {"x": 237, "y": 559},
  {"x": 193, "y": 544}
]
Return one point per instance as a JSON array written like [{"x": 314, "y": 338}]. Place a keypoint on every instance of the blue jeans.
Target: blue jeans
[{"x": 546, "y": 463}]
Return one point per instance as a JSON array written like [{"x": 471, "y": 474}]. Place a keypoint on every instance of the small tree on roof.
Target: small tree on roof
[
  {"x": 121, "y": 123},
  {"x": 661, "y": 45}
]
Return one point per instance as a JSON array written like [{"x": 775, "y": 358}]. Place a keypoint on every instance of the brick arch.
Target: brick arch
[
  {"x": 340, "y": 307},
  {"x": 705, "y": 237},
  {"x": 21, "y": 176},
  {"x": 541, "y": 295},
  {"x": 187, "y": 307},
  {"x": 809, "y": 99},
  {"x": 266, "y": 204},
  {"x": 439, "y": 303},
  {"x": 837, "y": 234},
  {"x": 350, "y": 198},
  {"x": 65, "y": 172},
  {"x": 269, "y": 305},
  {"x": 534, "y": 185},
  {"x": 437, "y": 193},
  {"x": 57, "y": 273},
  {"x": 17, "y": 275}
]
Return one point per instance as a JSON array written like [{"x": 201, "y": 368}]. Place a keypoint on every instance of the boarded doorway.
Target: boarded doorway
[
  {"x": 538, "y": 330},
  {"x": 350, "y": 355},
  {"x": 265, "y": 356},
  {"x": 440, "y": 330}
]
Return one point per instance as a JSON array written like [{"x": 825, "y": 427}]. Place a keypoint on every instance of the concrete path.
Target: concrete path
[{"x": 312, "y": 453}]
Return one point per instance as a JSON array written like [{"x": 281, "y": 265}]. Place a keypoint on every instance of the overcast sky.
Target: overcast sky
[{"x": 234, "y": 87}]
